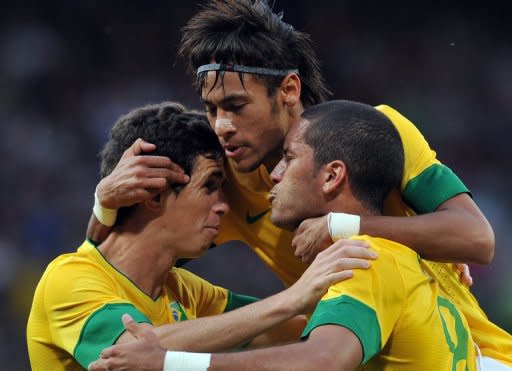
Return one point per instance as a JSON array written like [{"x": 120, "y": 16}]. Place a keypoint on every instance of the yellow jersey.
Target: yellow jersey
[
  {"x": 78, "y": 304},
  {"x": 426, "y": 184},
  {"x": 398, "y": 314}
]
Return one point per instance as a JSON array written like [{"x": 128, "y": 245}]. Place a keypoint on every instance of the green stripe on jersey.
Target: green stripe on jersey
[
  {"x": 352, "y": 314},
  {"x": 237, "y": 301},
  {"x": 102, "y": 329},
  {"x": 433, "y": 186}
]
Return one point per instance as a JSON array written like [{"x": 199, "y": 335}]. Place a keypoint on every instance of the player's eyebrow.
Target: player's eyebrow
[
  {"x": 213, "y": 174},
  {"x": 226, "y": 100},
  {"x": 217, "y": 174},
  {"x": 289, "y": 149}
]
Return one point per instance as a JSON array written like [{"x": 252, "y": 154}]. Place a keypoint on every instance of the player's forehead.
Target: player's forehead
[
  {"x": 222, "y": 85},
  {"x": 294, "y": 139},
  {"x": 207, "y": 166}
]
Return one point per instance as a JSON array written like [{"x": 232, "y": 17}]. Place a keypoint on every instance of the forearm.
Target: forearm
[
  {"x": 284, "y": 333},
  {"x": 96, "y": 231},
  {"x": 295, "y": 357},
  {"x": 456, "y": 232},
  {"x": 228, "y": 330}
]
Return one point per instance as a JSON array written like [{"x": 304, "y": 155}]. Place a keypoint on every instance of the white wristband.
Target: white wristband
[
  {"x": 105, "y": 216},
  {"x": 343, "y": 225},
  {"x": 186, "y": 361}
]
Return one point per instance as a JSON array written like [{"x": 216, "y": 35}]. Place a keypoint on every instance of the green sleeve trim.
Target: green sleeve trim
[
  {"x": 237, "y": 301},
  {"x": 102, "y": 329},
  {"x": 352, "y": 314},
  {"x": 433, "y": 186}
]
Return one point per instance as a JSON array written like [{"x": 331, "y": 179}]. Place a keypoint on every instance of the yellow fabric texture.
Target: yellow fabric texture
[
  {"x": 247, "y": 194},
  {"x": 75, "y": 286},
  {"x": 405, "y": 301}
]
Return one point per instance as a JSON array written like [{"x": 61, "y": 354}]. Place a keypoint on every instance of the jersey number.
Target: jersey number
[{"x": 460, "y": 347}]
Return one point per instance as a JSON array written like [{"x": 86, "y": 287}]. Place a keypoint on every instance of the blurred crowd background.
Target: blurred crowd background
[{"x": 68, "y": 70}]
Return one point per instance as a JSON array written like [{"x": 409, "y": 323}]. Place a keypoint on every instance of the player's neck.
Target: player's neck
[
  {"x": 351, "y": 205},
  {"x": 140, "y": 258}
]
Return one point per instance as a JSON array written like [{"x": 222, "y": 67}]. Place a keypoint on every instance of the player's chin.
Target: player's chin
[
  {"x": 283, "y": 221},
  {"x": 247, "y": 163}
]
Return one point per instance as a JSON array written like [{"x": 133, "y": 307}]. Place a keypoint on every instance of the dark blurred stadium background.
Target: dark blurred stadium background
[{"x": 69, "y": 69}]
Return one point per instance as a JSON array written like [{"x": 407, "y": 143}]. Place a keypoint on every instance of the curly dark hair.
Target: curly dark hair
[{"x": 178, "y": 133}]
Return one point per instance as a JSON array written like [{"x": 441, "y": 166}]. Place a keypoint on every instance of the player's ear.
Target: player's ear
[
  {"x": 155, "y": 203},
  {"x": 290, "y": 89},
  {"x": 334, "y": 176}
]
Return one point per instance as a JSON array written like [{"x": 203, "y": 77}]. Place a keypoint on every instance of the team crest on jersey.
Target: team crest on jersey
[{"x": 178, "y": 313}]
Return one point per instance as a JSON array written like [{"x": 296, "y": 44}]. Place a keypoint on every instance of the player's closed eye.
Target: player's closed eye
[
  {"x": 211, "y": 111},
  {"x": 235, "y": 108}
]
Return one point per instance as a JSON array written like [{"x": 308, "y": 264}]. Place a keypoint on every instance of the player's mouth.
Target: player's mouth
[
  {"x": 213, "y": 230},
  {"x": 234, "y": 152}
]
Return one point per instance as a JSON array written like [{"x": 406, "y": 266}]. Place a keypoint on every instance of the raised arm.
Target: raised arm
[
  {"x": 448, "y": 225},
  {"x": 329, "y": 347},
  {"x": 134, "y": 179},
  {"x": 237, "y": 327},
  {"x": 456, "y": 232}
]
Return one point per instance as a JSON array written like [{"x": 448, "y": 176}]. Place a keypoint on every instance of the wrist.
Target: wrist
[
  {"x": 294, "y": 302},
  {"x": 186, "y": 361},
  {"x": 343, "y": 226},
  {"x": 105, "y": 216}
]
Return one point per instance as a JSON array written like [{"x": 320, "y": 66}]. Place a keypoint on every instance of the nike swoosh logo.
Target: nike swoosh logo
[{"x": 251, "y": 219}]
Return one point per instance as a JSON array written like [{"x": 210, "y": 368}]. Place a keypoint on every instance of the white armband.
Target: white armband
[
  {"x": 186, "y": 361},
  {"x": 343, "y": 225},
  {"x": 105, "y": 216}
]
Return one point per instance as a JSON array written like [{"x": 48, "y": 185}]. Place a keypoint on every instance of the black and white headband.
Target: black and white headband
[{"x": 245, "y": 69}]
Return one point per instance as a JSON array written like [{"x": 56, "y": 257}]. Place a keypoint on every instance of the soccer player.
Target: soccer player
[
  {"x": 81, "y": 297},
  {"x": 346, "y": 157},
  {"x": 256, "y": 74}
]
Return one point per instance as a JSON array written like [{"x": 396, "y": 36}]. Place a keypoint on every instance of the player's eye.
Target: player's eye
[
  {"x": 235, "y": 108},
  {"x": 211, "y": 110},
  {"x": 211, "y": 185}
]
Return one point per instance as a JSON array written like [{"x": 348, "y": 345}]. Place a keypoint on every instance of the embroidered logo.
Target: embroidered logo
[
  {"x": 251, "y": 219},
  {"x": 178, "y": 313}
]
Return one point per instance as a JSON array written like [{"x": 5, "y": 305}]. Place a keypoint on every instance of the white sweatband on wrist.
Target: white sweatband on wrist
[
  {"x": 105, "y": 216},
  {"x": 343, "y": 225},
  {"x": 186, "y": 361}
]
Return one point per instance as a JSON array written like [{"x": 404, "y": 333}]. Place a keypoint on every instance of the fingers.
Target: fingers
[
  {"x": 351, "y": 243},
  {"x": 304, "y": 225},
  {"x": 337, "y": 250},
  {"x": 138, "y": 147},
  {"x": 133, "y": 327},
  {"x": 99, "y": 365},
  {"x": 350, "y": 263},
  {"x": 465, "y": 274},
  {"x": 338, "y": 277},
  {"x": 110, "y": 352},
  {"x": 159, "y": 164},
  {"x": 127, "y": 320}
]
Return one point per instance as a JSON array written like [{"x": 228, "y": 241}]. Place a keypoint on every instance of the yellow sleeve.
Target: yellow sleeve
[
  {"x": 83, "y": 310},
  {"x": 426, "y": 182},
  {"x": 369, "y": 304},
  {"x": 208, "y": 299}
]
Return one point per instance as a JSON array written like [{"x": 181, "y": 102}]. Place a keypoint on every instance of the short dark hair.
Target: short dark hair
[
  {"x": 178, "y": 133},
  {"x": 365, "y": 140},
  {"x": 248, "y": 32}
]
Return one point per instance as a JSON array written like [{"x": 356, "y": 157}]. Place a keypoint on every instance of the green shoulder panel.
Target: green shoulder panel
[
  {"x": 436, "y": 184},
  {"x": 355, "y": 316},
  {"x": 237, "y": 301},
  {"x": 102, "y": 329}
]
